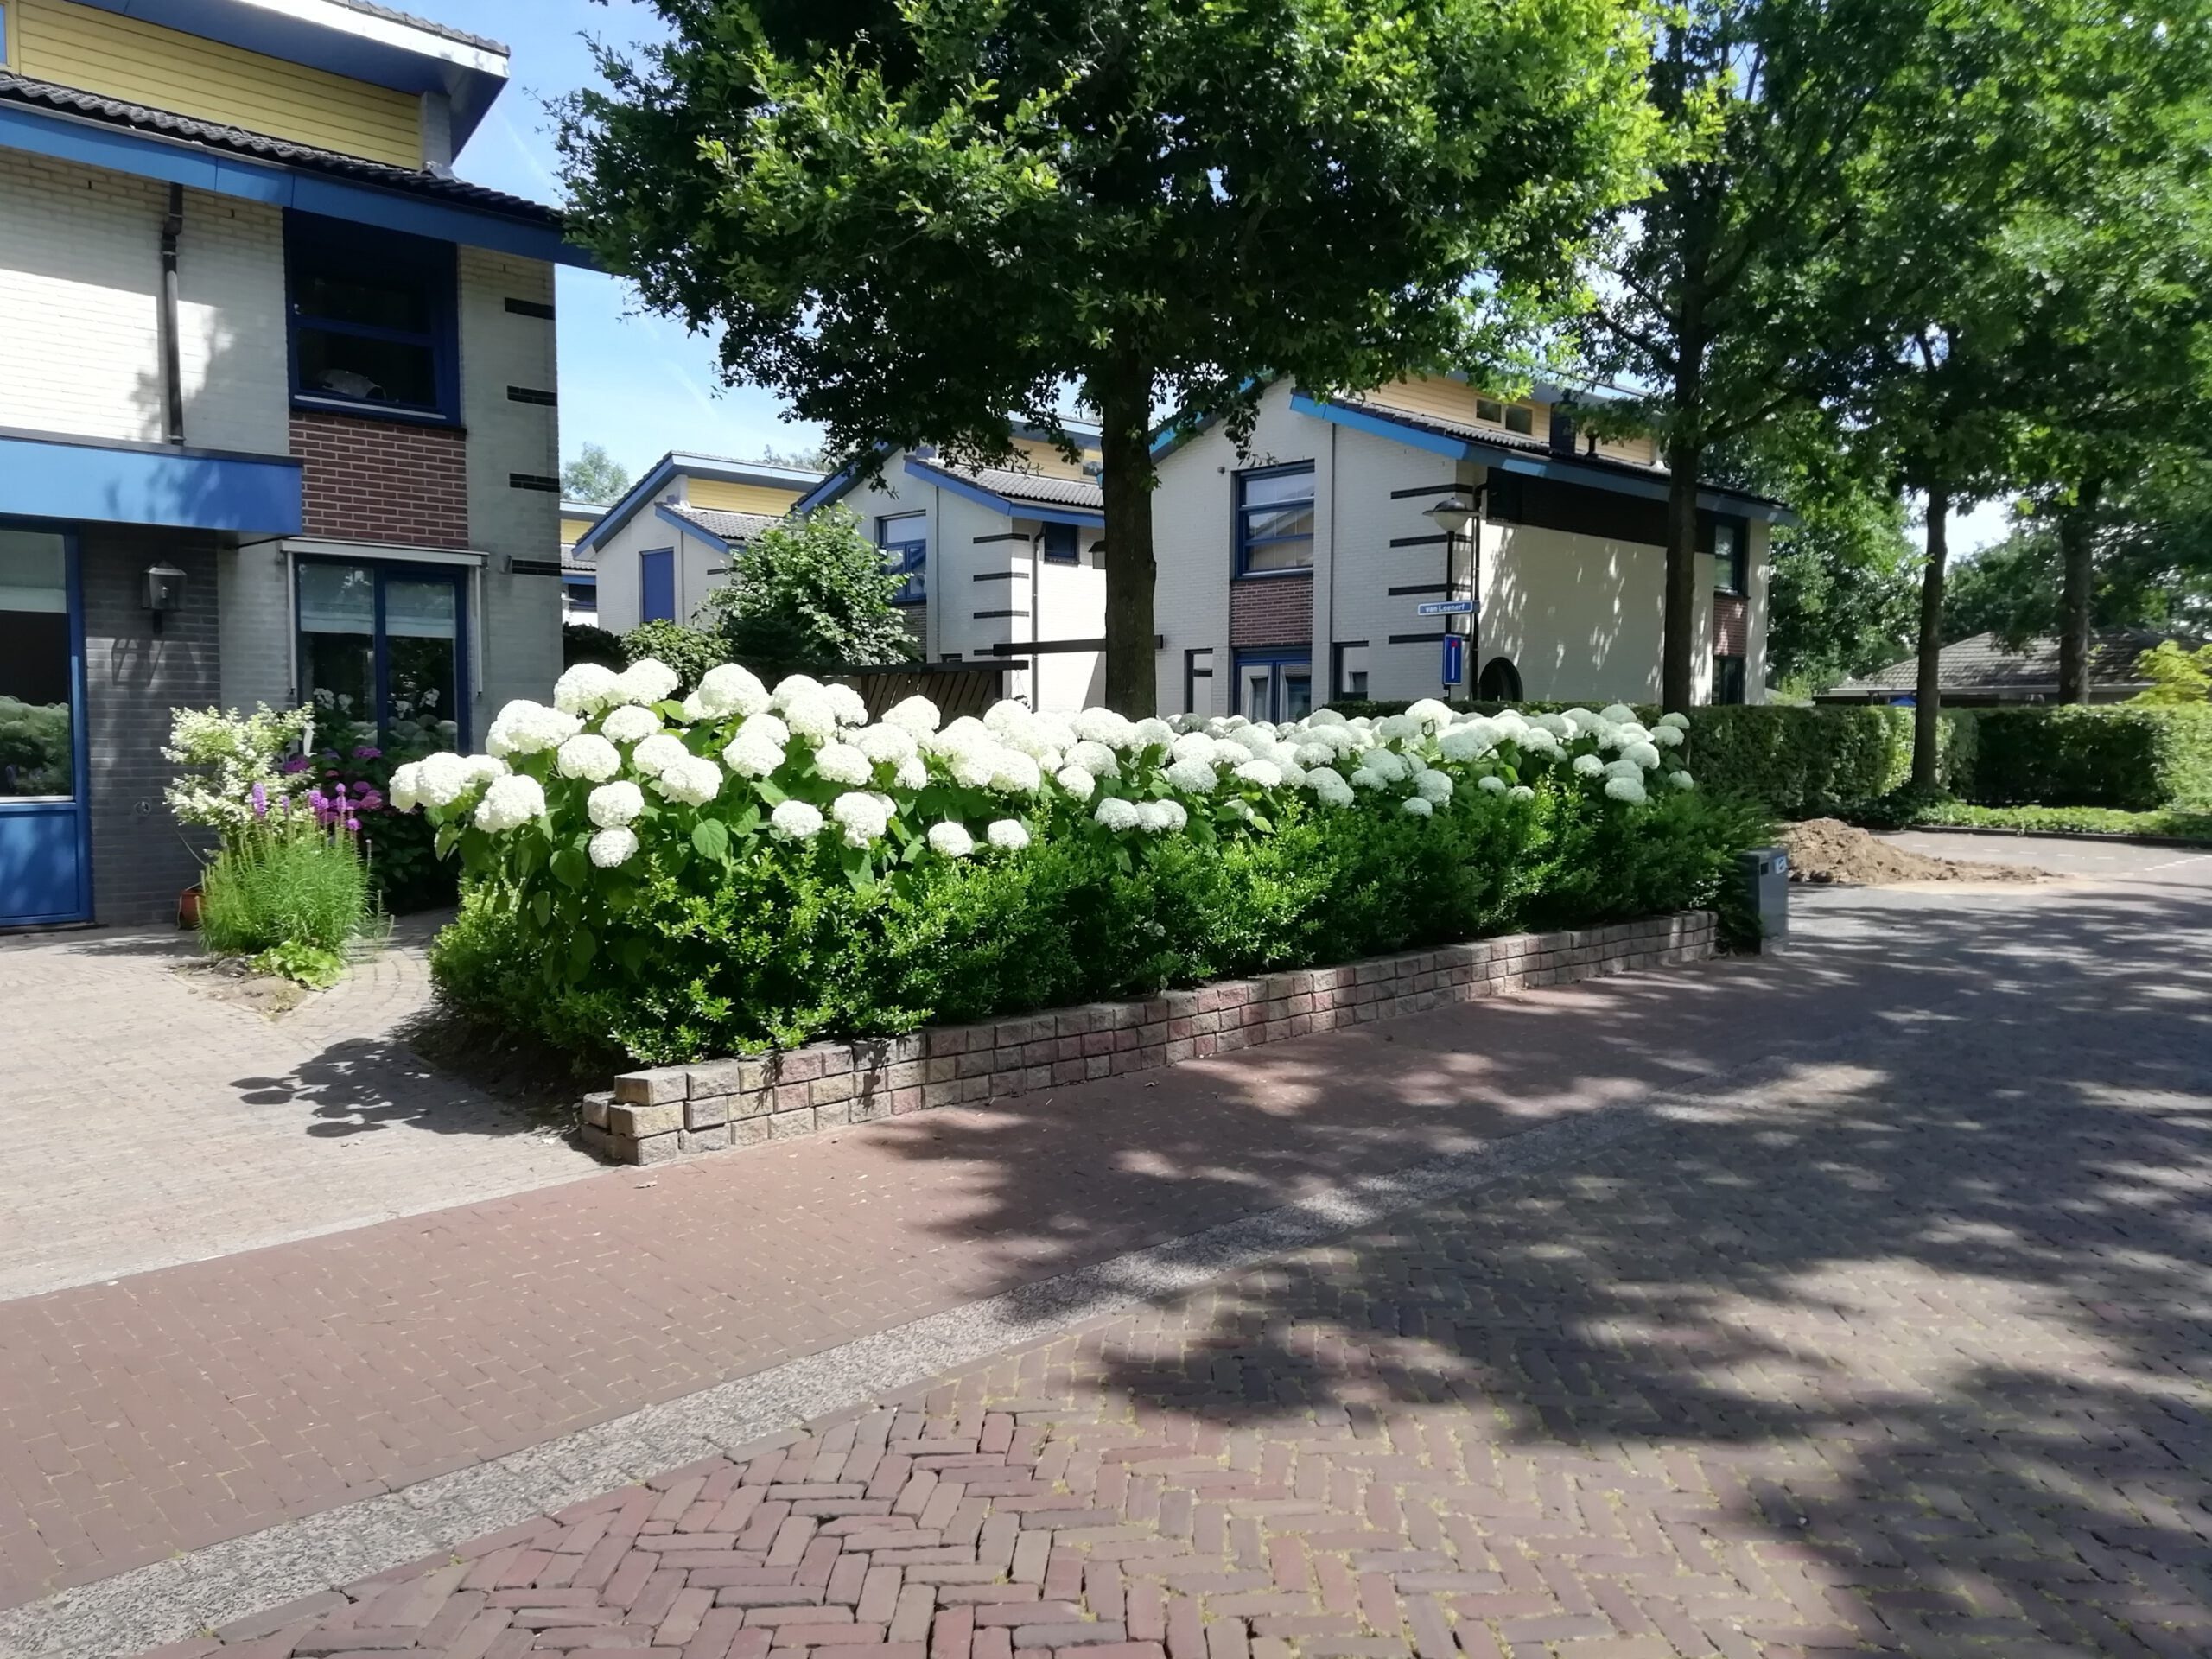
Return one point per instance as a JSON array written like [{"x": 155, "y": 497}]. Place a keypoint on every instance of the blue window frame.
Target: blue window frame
[
  {"x": 384, "y": 644},
  {"x": 657, "y": 585},
  {"x": 905, "y": 539},
  {"x": 1274, "y": 685},
  {"x": 1274, "y": 530},
  {"x": 46, "y": 854},
  {"x": 1063, "y": 545},
  {"x": 372, "y": 314}
]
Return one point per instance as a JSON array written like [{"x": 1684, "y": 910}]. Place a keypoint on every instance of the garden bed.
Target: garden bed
[{"x": 656, "y": 1115}]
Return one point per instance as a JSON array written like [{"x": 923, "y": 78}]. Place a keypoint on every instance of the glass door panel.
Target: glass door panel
[
  {"x": 45, "y": 865},
  {"x": 380, "y": 648},
  {"x": 422, "y": 625},
  {"x": 338, "y": 638}
]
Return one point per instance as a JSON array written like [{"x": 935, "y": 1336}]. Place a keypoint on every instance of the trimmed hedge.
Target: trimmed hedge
[
  {"x": 2132, "y": 757},
  {"x": 2166, "y": 824}
]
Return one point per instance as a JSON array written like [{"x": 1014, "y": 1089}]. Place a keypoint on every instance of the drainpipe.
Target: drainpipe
[
  {"x": 172, "y": 367},
  {"x": 1036, "y": 620}
]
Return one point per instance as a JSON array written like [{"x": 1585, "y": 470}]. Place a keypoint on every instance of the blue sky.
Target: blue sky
[{"x": 639, "y": 384}]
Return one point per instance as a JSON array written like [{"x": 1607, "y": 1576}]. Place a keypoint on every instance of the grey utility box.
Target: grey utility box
[{"x": 1764, "y": 872}]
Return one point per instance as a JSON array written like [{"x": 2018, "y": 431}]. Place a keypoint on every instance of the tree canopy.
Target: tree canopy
[
  {"x": 812, "y": 593},
  {"x": 920, "y": 222},
  {"x": 595, "y": 476}
]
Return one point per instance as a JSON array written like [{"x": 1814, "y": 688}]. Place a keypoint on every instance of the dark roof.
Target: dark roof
[
  {"x": 731, "y": 527},
  {"x": 1983, "y": 665},
  {"x": 1035, "y": 489},
  {"x": 368, "y": 7},
  {"x": 184, "y": 129}
]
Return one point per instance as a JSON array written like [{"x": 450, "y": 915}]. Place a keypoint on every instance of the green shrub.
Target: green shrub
[
  {"x": 691, "y": 651},
  {"x": 585, "y": 642},
  {"x": 287, "y": 882},
  {"x": 2166, "y": 824},
  {"x": 2132, "y": 757}
]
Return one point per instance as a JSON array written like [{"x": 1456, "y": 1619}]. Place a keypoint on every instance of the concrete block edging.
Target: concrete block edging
[{"x": 658, "y": 1116}]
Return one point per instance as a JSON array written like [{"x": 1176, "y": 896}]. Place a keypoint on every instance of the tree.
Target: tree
[
  {"x": 2177, "y": 675},
  {"x": 812, "y": 593},
  {"x": 595, "y": 476},
  {"x": 814, "y": 460},
  {"x": 1752, "y": 282},
  {"x": 921, "y": 221}
]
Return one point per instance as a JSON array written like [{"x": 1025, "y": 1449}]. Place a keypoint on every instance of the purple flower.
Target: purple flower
[
  {"x": 297, "y": 763},
  {"x": 371, "y": 801},
  {"x": 260, "y": 795},
  {"x": 365, "y": 753},
  {"x": 330, "y": 772},
  {"x": 354, "y": 823}
]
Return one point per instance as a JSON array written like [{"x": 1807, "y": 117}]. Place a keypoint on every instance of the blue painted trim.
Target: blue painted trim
[
  {"x": 1238, "y": 544},
  {"x": 837, "y": 486},
  {"x": 1276, "y": 658},
  {"x": 669, "y": 515},
  {"x": 147, "y": 155},
  {"x": 310, "y": 239},
  {"x": 1360, "y": 420},
  {"x": 79, "y": 803},
  {"x": 92, "y": 483},
  {"x": 634, "y": 500},
  {"x": 975, "y": 492}
]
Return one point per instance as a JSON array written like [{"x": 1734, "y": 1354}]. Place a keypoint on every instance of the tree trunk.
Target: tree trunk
[
  {"x": 2077, "y": 548},
  {"x": 1122, "y": 393},
  {"x": 1927, "y": 704},
  {"x": 1678, "y": 652}
]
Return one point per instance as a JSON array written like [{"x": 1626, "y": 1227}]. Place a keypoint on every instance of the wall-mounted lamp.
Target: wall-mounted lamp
[{"x": 164, "y": 591}]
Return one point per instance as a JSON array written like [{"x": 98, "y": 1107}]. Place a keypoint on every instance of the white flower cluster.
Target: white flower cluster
[{"x": 804, "y": 761}]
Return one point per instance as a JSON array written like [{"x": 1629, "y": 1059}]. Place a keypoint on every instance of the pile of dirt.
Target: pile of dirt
[{"x": 1828, "y": 850}]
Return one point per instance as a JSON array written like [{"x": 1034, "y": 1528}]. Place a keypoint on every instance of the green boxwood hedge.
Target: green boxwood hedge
[{"x": 2132, "y": 757}]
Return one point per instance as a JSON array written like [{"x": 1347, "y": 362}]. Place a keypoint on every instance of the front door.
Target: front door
[
  {"x": 381, "y": 647},
  {"x": 45, "y": 863},
  {"x": 1275, "y": 689}
]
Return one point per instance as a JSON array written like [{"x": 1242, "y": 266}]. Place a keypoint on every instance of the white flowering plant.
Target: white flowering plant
[{"x": 619, "y": 789}]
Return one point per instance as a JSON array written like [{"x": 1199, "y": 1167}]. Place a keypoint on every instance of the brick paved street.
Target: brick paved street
[
  {"x": 166, "y": 1126},
  {"x": 1901, "y": 1350}
]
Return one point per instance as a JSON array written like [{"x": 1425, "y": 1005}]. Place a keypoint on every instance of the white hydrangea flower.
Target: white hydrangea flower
[
  {"x": 1520, "y": 792},
  {"x": 662, "y": 750},
  {"x": 1416, "y": 806},
  {"x": 612, "y": 847},
  {"x": 887, "y": 745},
  {"x": 1164, "y": 817},
  {"x": 1676, "y": 722},
  {"x": 1008, "y": 835},
  {"x": 1150, "y": 733},
  {"x": 646, "y": 680},
  {"x": 1118, "y": 815},
  {"x": 1396, "y": 728},
  {"x": 795, "y": 821},
  {"x": 612, "y": 806},
  {"x": 402, "y": 793},
  {"x": 527, "y": 728},
  {"x": 1642, "y": 753},
  {"x": 1264, "y": 773},
  {"x": 792, "y": 687},
  {"x": 1623, "y": 768},
  {"x": 812, "y": 714},
  {"x": 913, "y": 773},
  {"x": 692, "y": 781},
  {"x": 1492, "y": 783},
  {"x": 483, "y": 768},
  {"x": 862, "y": 817},
  {"x": 850, "y": 707},
  {"x": 1617, "y": 714},
  {"x": 974, "y": 768},
  {"x": 1362, "y": 777},
  {"x": 950, "y": 840},
  {"x": 917, "y": 716},
  {"x": 1668, "y": 737},
  {"x": 629, "y": 724},
  {"x": 841, "y": 763},
  {"x": 1325, "y": 717},
  {"x": 1682, "y": 780},
  {"x": 1607, "y": 737},
  {"x": 1078, "y": 781},
  {"x": 510, "y": 803},
  {"x": 754, "y": 752},
  {"x": 1626, "y": 789},
  {"x": 1192, "y": 746},
  {"x": 1104, "y": 725},
  {"x": 1193, "y": 775},
  {"x": 1558, "y": 725},
  {"x": 1095, "y": 757},
  {"x": 1008, "y": 714},
  {"x": 1580, "y": 721},
  {"x": 443, "y": 778},
  {"x": 590, "y": 756},
  {"x": 1388, "y": 765},
  {"x": 1432, "y": 785},
  {"x": 1468, "y": 743},
  {"x": 1014, "y": 772},
  {"x": 586, "y": 689},
  {"x": 1539, "y": 742},
  {"x": 1329, "y": 787},
  {"x": 724, "y": 690},
  {"x": 1589, "y": 766}
]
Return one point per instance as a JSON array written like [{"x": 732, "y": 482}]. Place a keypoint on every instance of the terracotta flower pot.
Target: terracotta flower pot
[{"x": 188, "y": 908}]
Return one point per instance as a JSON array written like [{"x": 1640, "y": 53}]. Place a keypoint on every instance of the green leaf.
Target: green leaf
[
  {"x": 542, "y": 907},
  {"x": 711, "y": 837},
  {"x": 582, "y": 947},
  {"x": 571, "y": 868}
]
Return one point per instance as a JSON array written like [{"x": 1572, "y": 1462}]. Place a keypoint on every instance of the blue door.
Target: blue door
[
  {"x": 46, "y": 873},
  {"x": 657, "y": 586}
]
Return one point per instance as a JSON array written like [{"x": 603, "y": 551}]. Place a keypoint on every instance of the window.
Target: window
[
  {"x": 1726, "y": 540},
  {"x": 1727, "y": 679},
  {"x": 1274, "y": 688},
  {"x": 1063, "y": 545},
  {"x": 1348, "y": 672},
  {"x": 904, "y": 540},
  {"x": 380, "y": 645},
  {"x": 371, "y": 319},
  {"x": 1489, "y": 408},
  {"x": 1275, "y": 520},
  {"x": 657, "y": 585},
  {"x": 38, "y": 756},
  {"x": 580, "y": 599},
  {"x": 1197, "y": 665},
  {"x": 1519, "y": 417}
]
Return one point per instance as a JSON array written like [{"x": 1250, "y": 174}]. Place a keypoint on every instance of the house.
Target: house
[
  {"x": 1983, "y": 673},
  {"x": 277, "y": 414},
  {"x": 1429, "y": 539},
  {"x": 1007, "y": 563},
  {"x": 667, "y": 543},
  {"x": 579, "y": 576}
]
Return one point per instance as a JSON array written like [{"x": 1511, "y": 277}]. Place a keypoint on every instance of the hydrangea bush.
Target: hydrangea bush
[{"x": 747, "y": 865}]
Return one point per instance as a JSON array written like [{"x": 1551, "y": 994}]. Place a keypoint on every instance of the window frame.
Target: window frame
[
  {"x": 1193, "y": 674},
  {"x": 1732, "y": 576},
  {"x": 1276, "y": 660},
  {"x": 914, "y": 556},
  {"x": 1073, "y": 536},
  {"x": 309, "y": 235},
  {"x": 1241, "y": 544},
  {"x": 384, "y": 571}
]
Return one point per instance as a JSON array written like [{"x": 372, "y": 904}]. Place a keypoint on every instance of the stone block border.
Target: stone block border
[{"x": 675, "y": 1111}]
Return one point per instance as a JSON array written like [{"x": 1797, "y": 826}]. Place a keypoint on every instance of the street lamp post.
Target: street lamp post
[{"x": 1456, "y": 515}]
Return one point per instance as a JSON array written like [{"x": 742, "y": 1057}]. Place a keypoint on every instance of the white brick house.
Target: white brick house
[
  {"x": 1294, "y": 572},
  {"x": 286, "y": 421}
]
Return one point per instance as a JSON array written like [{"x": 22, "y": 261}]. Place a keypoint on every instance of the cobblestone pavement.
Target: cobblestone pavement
[
  {"x": 1902, "y": 1353},
  {"x": 154, "y": 1123}
]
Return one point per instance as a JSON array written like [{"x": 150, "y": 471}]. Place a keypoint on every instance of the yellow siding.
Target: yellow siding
[
  {"x": 572, "y": 530},
  {"x": 1445, "y": 399},
  {"x": 166, "y": 69},
  {"x": 1642, "y": 451},
  {"x": 740, "y": 498},
  {"x": 1044, "y": 459}
]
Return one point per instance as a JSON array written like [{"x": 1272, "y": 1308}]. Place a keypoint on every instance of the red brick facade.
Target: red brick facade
[
  {"x": 1731, "y": 626},
  {"x": 1271, "y": 611},
  {"x": 371, "y": 480}
]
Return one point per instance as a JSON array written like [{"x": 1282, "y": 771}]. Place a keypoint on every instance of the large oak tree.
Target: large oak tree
[{"x": 917, "y": 220}]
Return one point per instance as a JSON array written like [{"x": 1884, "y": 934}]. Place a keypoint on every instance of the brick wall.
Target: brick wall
[
  {"x": 1731, "y": 625},
  {"x": 372, "y": 480},
  {"x": 133, "y": 679},
  {"x": 1272, "y": 611},
  {"x": 675, "y": 1111}
]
